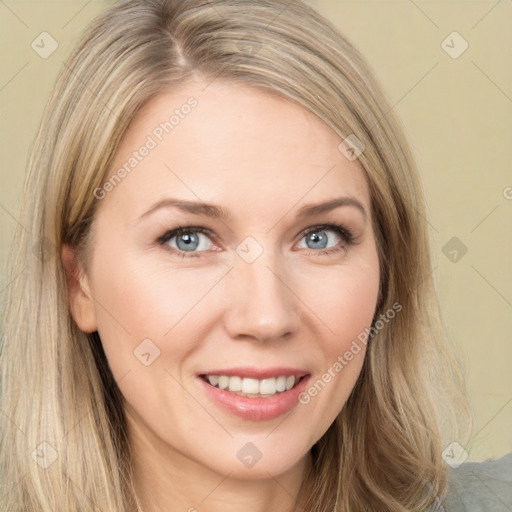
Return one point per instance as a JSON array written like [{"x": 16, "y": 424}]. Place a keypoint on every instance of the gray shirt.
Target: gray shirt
[{"x": 479, "y": 487}]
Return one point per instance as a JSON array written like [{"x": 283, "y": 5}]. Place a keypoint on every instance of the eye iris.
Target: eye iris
[
  {"x": 191, "y": 241},
  {"x": 316, "y": 238}
]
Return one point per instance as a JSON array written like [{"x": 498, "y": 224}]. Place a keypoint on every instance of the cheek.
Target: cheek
[
  {"x": 345, "y": 301},
  {"x": 344, "y": 298},
  {"x": 137, "y": 300},
  {"x": 348, "y": 309}
]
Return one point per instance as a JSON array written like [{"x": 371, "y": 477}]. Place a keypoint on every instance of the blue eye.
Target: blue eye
[
  {"x": 191, "y": 241},
  {"x": 187, "y": 240},
  {"x": 318, "y": 238}
]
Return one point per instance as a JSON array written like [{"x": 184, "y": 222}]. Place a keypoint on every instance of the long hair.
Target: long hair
[{"x": 63, "y": 434}]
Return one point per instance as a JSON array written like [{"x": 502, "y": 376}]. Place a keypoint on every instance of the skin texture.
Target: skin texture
[{"x": 261, "y": 158}]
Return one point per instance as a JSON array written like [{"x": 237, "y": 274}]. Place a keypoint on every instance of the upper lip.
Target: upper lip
[{"x": 259, "y": 373}]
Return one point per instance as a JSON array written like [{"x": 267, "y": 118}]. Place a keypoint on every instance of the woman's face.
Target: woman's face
[{"x": 255, "y": 287}]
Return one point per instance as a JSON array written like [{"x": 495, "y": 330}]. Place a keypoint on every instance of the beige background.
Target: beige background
[{"x": 458, "y": 116}]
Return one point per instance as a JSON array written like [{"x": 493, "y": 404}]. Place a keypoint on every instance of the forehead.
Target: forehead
[{"x": 231, "y": 144}]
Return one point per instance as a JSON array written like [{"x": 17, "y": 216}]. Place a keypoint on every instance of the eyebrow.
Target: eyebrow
[
  {"x": 315, "y": 209},
  {"x": 214, "y": 211}
]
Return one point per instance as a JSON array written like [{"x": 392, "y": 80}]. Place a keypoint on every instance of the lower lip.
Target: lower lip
[{"x": 256, "y": 409}]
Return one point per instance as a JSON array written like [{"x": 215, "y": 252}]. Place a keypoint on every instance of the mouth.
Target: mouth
[
  {"x": 255, "y": 394},
  {"x": 252, "y": 387}
]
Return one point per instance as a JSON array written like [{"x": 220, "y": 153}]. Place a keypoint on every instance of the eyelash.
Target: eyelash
[{"x": 344, "y": 233}]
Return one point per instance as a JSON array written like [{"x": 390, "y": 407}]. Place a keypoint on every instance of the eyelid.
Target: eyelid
[
  {"x": 171, "y": 233},
  {"x": 342, "y": 231},
  {"x": 346, "y": 235}
]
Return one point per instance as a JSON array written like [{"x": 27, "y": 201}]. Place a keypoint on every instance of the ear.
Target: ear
[{"x": 79, "y": 297}]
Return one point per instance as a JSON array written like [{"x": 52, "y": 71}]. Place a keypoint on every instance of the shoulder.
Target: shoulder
[{"x": 480, "y": 486}]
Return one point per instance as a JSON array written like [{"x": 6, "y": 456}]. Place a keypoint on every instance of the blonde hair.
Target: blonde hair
[{"x": 383, "y": 451}]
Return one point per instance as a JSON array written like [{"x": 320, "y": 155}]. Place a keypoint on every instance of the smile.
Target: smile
[
  {"x": 254, "y": 394},
  {"x": 253, "y": 388}
]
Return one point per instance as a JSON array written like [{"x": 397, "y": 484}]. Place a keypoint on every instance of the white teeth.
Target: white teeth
[
  {"x": 281, "y": 383},
  {"x": 267, "y": 386},
  {"x": 250, "y": 387},
  {"x": 214, "y": 380},
  {"x": 235, "y": 384},
  {"x": 223, "y": 381}
]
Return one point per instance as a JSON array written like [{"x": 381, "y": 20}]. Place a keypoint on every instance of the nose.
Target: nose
[{"x": 261, "y": 304}]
